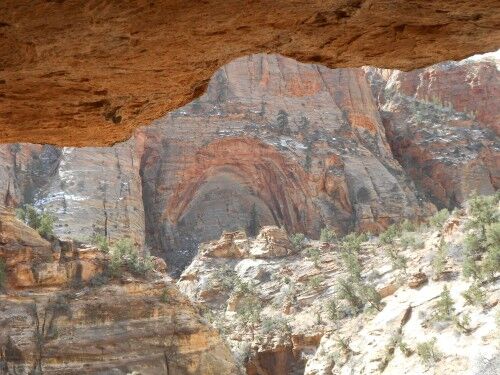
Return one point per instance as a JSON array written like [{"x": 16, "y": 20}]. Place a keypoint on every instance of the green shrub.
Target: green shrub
[
  {"x": 405, "y": 349},
  {"x": 483, "y": 212},
  {"x": 276, "y": 325},
  {"x": 440, "y": 258},
  {"x": 100, "y": 242},
  {"x": 42, "y": 222},
  {"x": 469, "y": 266},
  {"x": 314, "y": 254},
  {"x": 444, "y": 307},
  {"x": 332, "y": 310},
  {"x": 297, "y": 240},
  {"x": 165, "y": 296},
  {"x": 408, "y": 226},
  {"x": 352, "y": 242},
  {"x": 483, "y": 240},
  {"x": 3, "y": 273},
  {"x": 224, "y": 278},
  {"x": 370, "y": 295},
  {"x": 398, "y": 260},
  {"x": 473, "y": 244},
  {"x": 125, "y": 254},
  {"x": 241, "y": 288},
  {"x": 248, "y": 312},
  {"x": 462, "y": 324},
  {"x": 493, "y": 235},
  {"x": 352, "y": 264},
  {"x": 346, "y": 290},
  {"x": 29, "y": 215},
  {"x": 315, "y": 281},
  {"x": 439, "y": 218},
  {"x": 390, "y": 234},
  {"x": 427, "y": 352},
  {"x": 327, "y": 235},
  {"x": 490, "y": 264},
  {"x": 412, "y": 240}
]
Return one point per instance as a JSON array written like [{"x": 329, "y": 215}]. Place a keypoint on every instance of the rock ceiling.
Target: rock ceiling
[{"x": 75, "y": 72}]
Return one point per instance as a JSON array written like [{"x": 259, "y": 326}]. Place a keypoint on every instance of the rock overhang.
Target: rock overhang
[{"x": 76, "y": 73}]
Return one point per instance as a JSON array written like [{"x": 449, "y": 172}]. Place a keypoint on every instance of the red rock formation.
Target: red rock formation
[
  {"x": 443, "y": 126},
  {"x": 302, "y": 144},
  {"x": 61, "y": 315},
  {"x": 274, "y": 141},
  {"x": 86, "y": 73}
]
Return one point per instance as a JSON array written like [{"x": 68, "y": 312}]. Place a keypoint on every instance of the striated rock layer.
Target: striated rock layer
[
  {"x": 60, "y": 315},
  {"x": 299, "y": 146},
  {"x": 443, "y": 126},
  {"x": 87, "y": 73},
  {"x": 275, "y": 142}
]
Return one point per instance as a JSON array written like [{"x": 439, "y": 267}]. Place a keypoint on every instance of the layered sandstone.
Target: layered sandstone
[
  {"x": 443, "y": 126},
  {"x": 275, "y": 142},
  {"x": 295, "y": 145},
  {"x": 61, "y": 314},
  {"x": 91, "y": 191},
  {"x": 79, "y": 73}
]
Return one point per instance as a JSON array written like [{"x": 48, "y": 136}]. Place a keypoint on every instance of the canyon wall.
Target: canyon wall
[
  {"x": 443, "y": 124},
  {"x": 62, "y": 313},
  {"x": 90, "y": 190},
  {"x": 275, "y": 142},
  {"x": 301, "y": 146}
]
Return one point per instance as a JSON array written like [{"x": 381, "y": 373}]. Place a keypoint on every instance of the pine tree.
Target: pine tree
[
  {"x": 282, "y": 122},
  {"x": 444, "y": 306}
]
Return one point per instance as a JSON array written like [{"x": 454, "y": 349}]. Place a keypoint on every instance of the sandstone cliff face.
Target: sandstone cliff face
[
  {"x": 275, "y": 142},
  {"x": 56, "y": 317},
  {"x": 299, "y": 146},
  {"x": 80, "y": 73},
  {"x": 442, "y": 124},
  {"x": 90, "y": 190}
]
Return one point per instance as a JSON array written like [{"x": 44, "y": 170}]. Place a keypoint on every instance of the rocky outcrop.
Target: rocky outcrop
[
  {"x": 75, "y": 73},
  {"x": 62, "y": 313},
  {"x": 303, "y": 324},
  {"x": 442, "y": 125}
]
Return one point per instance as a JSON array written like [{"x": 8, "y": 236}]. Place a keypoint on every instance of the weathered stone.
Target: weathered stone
[
  {"x": 443, "y": 126},
  {"x": 270, "y": 243},
  {"x": 230, "y": 245},
  {"x": 84, "y": 74},
  {"x": 114, "y": 328},
  {"x": 417, "y": 280}
]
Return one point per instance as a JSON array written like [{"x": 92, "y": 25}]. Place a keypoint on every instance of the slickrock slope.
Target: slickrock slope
[
  {"x": 86, "y": 73},
  {"x": 443, "y": 126},
  {"x": 60, "y": 314},
  {"x": 282, "y": 310}
]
